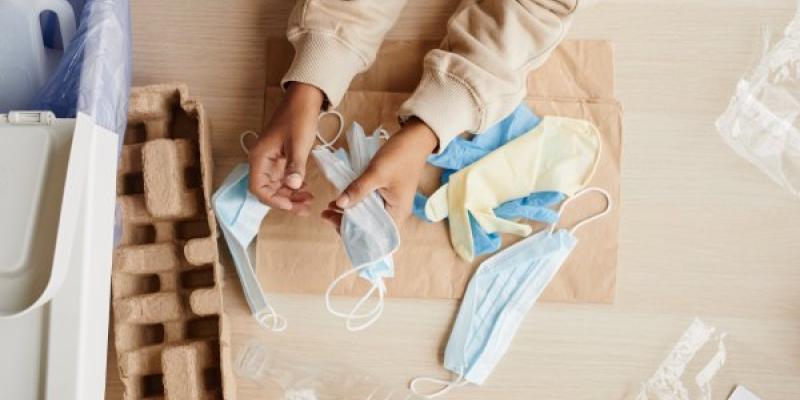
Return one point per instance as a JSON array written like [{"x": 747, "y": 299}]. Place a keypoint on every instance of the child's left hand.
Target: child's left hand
[{"x": 394, "y": 172}]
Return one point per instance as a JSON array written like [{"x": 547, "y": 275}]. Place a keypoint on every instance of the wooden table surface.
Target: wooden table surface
[{"x": 703, "y": 233}]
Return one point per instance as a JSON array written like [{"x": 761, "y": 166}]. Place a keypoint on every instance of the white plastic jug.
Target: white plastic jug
[{"x": 25, "y": 63}]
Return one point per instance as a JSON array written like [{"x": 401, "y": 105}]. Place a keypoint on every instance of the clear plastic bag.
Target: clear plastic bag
[
  {"x": 94, "y": 74},
  {"x": 298, "y": 381},
  {"x": 762, "y": 122}
]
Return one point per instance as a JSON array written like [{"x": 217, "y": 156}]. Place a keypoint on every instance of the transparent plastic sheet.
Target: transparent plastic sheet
[
  {"x": 276, "y": 372},
  {"x": 762, "y": 121},
  {"x": 94, "y": 75},
  {"x": 667, "y": 383}
]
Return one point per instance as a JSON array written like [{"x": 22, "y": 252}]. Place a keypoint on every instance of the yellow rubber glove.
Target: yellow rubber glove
[{"x": 560, "y": 155}]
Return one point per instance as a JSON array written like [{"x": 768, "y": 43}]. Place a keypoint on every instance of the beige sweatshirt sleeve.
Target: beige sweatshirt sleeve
[
  {"x": 335, "y": 39},
  {"x": 478, "y": 76}
]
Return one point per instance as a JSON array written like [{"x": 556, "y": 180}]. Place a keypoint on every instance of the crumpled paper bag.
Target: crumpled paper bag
[{"x": 303, "y": 255}]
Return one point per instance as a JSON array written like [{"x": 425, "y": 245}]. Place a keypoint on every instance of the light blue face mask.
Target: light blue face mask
[
  {"x": 501, "y": 292},
  {"x": 369, "y": 234},
  {"x": 240, "y": 214}
]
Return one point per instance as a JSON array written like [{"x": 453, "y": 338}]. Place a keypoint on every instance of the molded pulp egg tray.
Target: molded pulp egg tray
[{"x": 172, "y": 339}]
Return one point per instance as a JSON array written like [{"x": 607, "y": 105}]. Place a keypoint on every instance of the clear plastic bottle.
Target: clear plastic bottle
[{"x": 268, "y": 368}]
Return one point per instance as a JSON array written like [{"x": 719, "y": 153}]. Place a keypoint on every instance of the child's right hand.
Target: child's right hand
[{"x": 278, "y": 159}]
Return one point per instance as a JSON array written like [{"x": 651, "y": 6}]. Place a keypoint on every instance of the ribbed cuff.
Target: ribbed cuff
[
  {"x": 445, "y": 104},
  {"x": 325, "y": 62}
]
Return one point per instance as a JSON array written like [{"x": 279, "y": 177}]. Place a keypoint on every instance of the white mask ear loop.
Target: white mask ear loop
[
  {"x": 458, "y": 382},
  {"x": 371, "y": 315},
  {"x": 278, "y": 324},
  {"x": 602, "y": 191},
  {"x": 383, "y": 134},
  {"x": 242, "y": 136},
  {"x": 388, "y": 396},
  {"x": 325, "y": 143},
  {"x": 269, "y": 318}
]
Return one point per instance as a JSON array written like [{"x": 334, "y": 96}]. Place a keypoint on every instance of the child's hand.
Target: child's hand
[
  {"x": 394, "y": 172},
  {"x": 278, "y": 159}
]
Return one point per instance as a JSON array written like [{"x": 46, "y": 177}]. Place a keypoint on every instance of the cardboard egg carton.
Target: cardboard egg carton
[{"x": 171, "y": 336}]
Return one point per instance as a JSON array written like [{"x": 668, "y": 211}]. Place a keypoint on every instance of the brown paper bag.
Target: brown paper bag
[{"x": 303, "y": 255}]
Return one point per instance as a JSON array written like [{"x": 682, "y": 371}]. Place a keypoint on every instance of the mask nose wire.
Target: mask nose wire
[{"x": 609, "y": 204}]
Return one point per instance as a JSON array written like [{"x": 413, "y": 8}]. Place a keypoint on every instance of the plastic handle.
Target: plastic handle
[{"x": 66, "y": 17}]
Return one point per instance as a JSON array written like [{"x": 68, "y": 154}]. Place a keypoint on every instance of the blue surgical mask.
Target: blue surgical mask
[
  {"x": 369, "y": 234},
  {"x": 498, "y": 296},
  {"x": 240, "y": 214}
]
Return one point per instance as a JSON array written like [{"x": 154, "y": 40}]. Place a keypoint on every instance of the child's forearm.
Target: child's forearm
[
  {"x": 476, "y": 79},
  {"x": 335, "y": 40}
]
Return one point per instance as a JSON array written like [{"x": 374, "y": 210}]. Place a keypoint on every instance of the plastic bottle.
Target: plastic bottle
[{"x": 297, "y": 381}]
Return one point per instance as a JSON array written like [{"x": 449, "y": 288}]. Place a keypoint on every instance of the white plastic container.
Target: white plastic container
[
  {"x": 26, "y": 62},
  {"x": 57, "y": 194},
  {"x": 42, "y": 182}
]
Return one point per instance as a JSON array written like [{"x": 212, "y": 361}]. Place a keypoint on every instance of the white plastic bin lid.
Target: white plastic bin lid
[{"x": 43, "y": 170}]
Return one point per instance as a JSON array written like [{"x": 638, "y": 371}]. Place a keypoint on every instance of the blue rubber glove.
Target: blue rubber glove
[
  {"x": 462, "y": 152},
  {"x": 535, "y": 207}
]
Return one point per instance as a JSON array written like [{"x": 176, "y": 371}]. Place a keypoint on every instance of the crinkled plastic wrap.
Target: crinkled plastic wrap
[
  {"x": 94, "y": 75},
  {"x": 667, "y": 382},
  {"x": 762, "y": 122}
]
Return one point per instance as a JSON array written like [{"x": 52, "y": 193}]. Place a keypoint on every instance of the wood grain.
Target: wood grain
[{"x": 703, "y": 233}]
